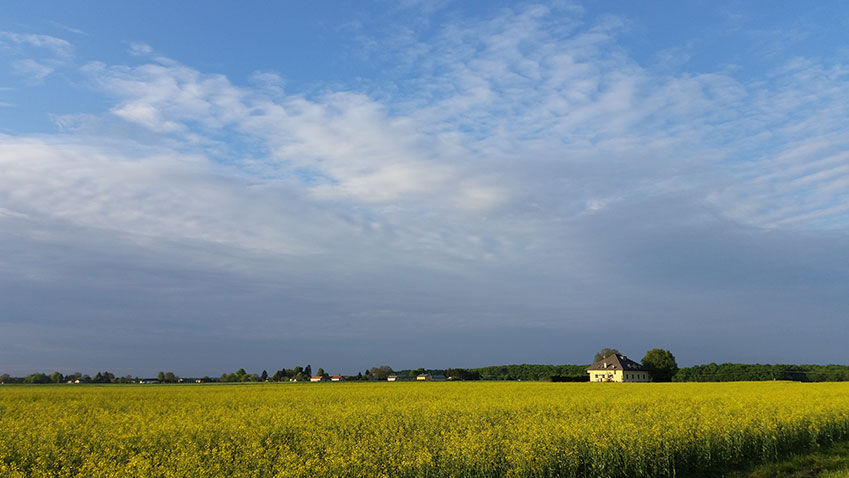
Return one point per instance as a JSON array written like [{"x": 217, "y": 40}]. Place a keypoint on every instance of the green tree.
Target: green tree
[
  {"x": 264, "y": 376},
  {"x": 105, "y": 377},
  {"x": 605, "y": 352},
  {"x": 660, "y": 364},
  {"x": 381, "y": 372},
  {"x": 37, "y": 378},
  {"x": 160, "y": 376},
  {"x": 56, "y": 377}
]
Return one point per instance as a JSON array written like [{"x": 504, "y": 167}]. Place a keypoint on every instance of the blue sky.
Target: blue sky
[{"x": 199, "y": 187}]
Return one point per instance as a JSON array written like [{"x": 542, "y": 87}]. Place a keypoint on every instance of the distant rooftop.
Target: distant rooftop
[{"x": 616, "y": 362}]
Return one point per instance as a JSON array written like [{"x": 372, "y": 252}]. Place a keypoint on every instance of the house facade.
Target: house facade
[{"x": 618, "y": 368}]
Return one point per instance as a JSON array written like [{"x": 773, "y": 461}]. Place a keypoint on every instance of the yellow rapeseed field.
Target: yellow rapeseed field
[{"x": 411, "y": 429}]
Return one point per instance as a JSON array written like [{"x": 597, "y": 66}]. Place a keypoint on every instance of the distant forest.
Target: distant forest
[
  {"x": 731, "y": 372},
  {"x": 727, "y": 372}
]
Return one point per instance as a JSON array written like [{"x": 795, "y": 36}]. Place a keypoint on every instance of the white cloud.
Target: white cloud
[
  {"x": 525, "y": 97},
  {"x": 140, "y": 49},
  {"x": 68, "y": 28},
  {"x": 59, "y": 47},
  {"x": 31, "y": 68},
  {"x": 35, "y": 64},
  {"x": 524, "y": 158},
  {"x": 155, "y": 195},
  {"x": 147, "y": 116}
]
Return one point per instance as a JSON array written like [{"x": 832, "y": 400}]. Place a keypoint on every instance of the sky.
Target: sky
[{"x": 202, "y": 186}]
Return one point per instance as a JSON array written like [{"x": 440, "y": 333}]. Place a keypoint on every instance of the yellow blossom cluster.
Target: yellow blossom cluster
[{"x": 448, "y": 429}]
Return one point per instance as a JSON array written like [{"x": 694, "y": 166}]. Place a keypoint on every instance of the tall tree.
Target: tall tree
[
  {"x": 661, "y": 365},
  {"x": 605, "y": 352},
  {"x": 56, "y": 377},
  {"x": 381, "y": 372},
  {"x": 264, "y": 376},
  {"x": 37, "y": 377}
]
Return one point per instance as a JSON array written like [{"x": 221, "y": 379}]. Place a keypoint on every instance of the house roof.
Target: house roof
[{"x": 616, "y": 362}]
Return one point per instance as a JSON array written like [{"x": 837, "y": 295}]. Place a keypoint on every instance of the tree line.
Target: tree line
[
  {"x": 660, "y": 364},
  {"x": 733, "y": 372},
  {"x": 57, "y": 377}
]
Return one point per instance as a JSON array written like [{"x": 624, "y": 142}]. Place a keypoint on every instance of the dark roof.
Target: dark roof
[{"x": 616, "y": 362}]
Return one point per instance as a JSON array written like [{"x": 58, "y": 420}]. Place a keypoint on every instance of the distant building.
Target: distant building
[
  {"x": 318, "y": 378},
  {"x": 427, "y": 377},
  {"x": 337, "y": 378},
  {"x": 617, "y": 368}
]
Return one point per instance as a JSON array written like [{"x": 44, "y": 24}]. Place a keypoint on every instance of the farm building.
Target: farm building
[
  {"x": 337, "y": 378},
  {"x": 617, "y": 368},
  {"x": 318, "y": 378}
]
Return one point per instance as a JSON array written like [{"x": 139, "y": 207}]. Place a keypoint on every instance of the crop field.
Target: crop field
[{"x": 412, "y": 429}]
